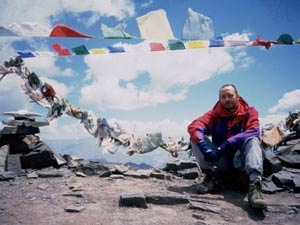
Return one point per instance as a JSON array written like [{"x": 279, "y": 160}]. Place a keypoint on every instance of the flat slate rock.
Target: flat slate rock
[
  {"x": 292, "y": 161},
  {"x": 166, "y": 199},
  {"x": 74, "y": 209},
  {"x": 21, "y": 113},
  {"x": 25, "y": 123},
  {"x": 270, "y": 188},
  {"x": 133, "y": 200}
]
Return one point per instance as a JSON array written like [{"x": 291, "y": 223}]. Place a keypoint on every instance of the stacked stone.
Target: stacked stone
[{"x": 21, "y": 148}]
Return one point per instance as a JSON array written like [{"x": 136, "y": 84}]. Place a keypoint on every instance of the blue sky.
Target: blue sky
[{"x": 149, "y": 91}]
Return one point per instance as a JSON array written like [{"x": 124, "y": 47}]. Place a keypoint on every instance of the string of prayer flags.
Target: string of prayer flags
[
  {"x": 115, "y": 32},
  {"x": 197, "y": 27},
  {"x": 155, "y": 26}
]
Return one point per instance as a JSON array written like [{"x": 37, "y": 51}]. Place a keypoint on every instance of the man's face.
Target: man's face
[{"x": 228, "y": 98}]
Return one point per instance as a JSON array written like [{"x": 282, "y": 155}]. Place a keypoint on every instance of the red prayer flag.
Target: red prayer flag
[
  {"x": 157, "y": 47},
  {"x": 62, "y": 30},
  {"x": 60, "y": 50}
]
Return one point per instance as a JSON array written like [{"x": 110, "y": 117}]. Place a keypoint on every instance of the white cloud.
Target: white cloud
[
  {"x": 166, "y": 126},
  {"x": 276, "y": 119},
  {"x": 58, "y": 129},
  {"x": 116, "y": 8},
  {"x": 147, "y": 4},
  {"x": 289, "y": 102},
  {"x": 11, "y": 94},
  {"x": 46, "y": 67},
  {"x": 44, "y": 10},
  {"x": 167, "y": 71}
]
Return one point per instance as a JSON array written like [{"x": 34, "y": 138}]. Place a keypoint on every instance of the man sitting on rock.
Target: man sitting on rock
[{"x": 234, "y": 128}]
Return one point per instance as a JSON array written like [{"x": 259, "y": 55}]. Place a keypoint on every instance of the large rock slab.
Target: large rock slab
[
  {"x": 133, "y": 200},
  {"x": 290, "y": 160}
]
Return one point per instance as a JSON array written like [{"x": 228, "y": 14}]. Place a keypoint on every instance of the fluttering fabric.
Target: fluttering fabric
[
  {"x": 28, "y": 29},
  {"x": 61, "y": 51},
  {"x": 236, "y": 40},
  {"x": 155, "y": 26},
  {"x": 115, "y": 49},
  {"x": 176, "y": 45},
  {"x": 26, "y": 54},
  {"x": 156, "y": 46},
  {"x": 115, "y": 32},
  {"x": 110, "y": 137},
  {"x": 285, "y": 39},
  {"x": 266, "y": 44},
  {"x": 98, "y": 51},
  {"x": 196, "y": 44},
  {"x": 80, "y": 50},
  {"x": 61, "y": 30},
  {"x": 217, "y": 42},
  {"x": 197, "y": 26}
]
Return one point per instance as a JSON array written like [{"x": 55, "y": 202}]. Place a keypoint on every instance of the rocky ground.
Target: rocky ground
[{"x": 47, "y": 200}]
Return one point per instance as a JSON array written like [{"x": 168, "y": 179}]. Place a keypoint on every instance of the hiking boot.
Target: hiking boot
[
  {"x": 255, "y": 197},
  {"x": 210, "y": 185}
]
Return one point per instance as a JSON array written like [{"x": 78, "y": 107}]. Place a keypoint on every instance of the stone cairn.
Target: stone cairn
[{"x": 21, "y": 147}]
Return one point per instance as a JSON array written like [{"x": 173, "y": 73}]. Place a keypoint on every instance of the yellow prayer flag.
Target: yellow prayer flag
[
  {"x": 98, "y": 51},
  {"x": 196, "y": 44}
]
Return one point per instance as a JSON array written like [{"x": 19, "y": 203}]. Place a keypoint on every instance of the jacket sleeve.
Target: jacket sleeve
[
  {"x": 251, "y": 130},
  {"x": 200, "y": 126}
]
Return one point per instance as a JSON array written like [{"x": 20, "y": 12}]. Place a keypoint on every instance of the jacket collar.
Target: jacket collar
[{"x": 242, "y": 109}]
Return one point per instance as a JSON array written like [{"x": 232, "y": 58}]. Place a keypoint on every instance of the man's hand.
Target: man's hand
[
  {"x": 225, "y": 146},
  {"x": 213, "y": 154},
  {"x": 210, "y": 154}
]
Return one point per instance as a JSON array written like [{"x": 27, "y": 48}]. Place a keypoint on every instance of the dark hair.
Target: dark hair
[{"x": 229, "y": 85}]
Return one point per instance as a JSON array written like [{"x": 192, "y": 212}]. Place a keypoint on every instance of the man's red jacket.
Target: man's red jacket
[{"x": 221, "y": 125}]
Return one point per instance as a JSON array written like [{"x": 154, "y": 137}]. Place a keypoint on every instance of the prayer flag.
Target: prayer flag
[
  {"x": 60, "y": 50},
  {"x": 156, "y": 47},
  {"x": 196, "y": 44},
  {"x": 236, "y": 40},
  {"x": 176, "y": 45},
  {"x": 115, "y": 49},
  {"x": 62, "y": 30},
  {"x": 80, "y": 50},
  {"x": 197, "y": 26},
  {"x": 155, "y": 26},
  {"x": 26, "y": 54},
  {"x": 98, "y": 51},
  {"x": 218, "y": 42},
  {"x": 115, "y": 32},
  {"x": 285, "y": 39}
]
